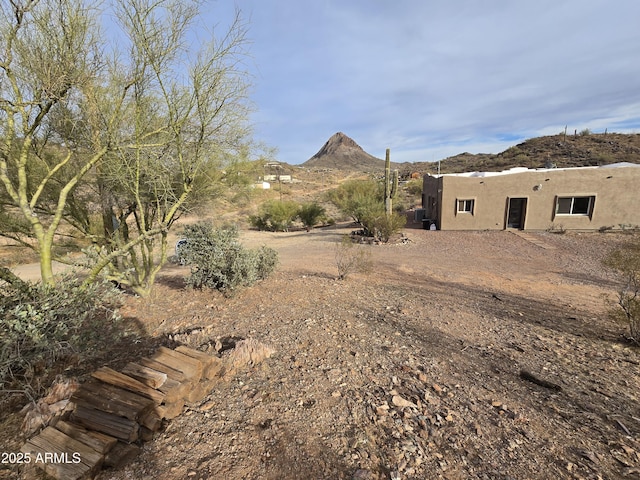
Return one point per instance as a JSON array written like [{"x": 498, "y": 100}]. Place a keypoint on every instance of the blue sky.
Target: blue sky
[{"x": 430, "y": 79}]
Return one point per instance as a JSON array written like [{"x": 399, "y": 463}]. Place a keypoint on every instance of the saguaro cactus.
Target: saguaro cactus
[{"x": 390, "y": 184}]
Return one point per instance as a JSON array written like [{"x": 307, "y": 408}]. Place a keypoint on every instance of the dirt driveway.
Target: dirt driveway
[{"x": 423, "y": 368}]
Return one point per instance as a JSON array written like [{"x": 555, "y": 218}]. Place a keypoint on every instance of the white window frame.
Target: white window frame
[
  {"x": 471, "y": 202},
  {"x": 572, "y": 198}
]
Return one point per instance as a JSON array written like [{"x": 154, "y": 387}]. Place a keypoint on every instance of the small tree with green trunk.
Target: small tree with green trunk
[
  {"x": 49, "y": 66},
  {"x": 310, "y": 214},
  {"x": 359, "y": 199},
  {"x": 275, "y": 215},
  {"x": 130, "y": 139},
  {"x": 185, "y": 118}
]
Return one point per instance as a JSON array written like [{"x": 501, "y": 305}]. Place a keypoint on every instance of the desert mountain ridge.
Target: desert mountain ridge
[{"x": 341, "y": 152}]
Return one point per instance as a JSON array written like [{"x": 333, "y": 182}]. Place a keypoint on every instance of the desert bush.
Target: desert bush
[
  {"x": 626, "y": 261},
  {"x": 359, "y": 199},
  {"x": 363, "y": 201},
  {"x": 521, "y": 159},
  {"x": 604, "y": 158},
  {"x": 351, "y": 258},
  {"x": 414, "y": 187},
  {"x": 266, "y": 260},
  {"x": 369, "y": 218},
  {"x": 311, "y": 214},
  {"x": 383, "y": 227},
  {"x": 41, "y": 325},
  {"x": 218, "y": 259},
  {"x": 585, "y": 132},
  {"x": 275, "y": 215}
]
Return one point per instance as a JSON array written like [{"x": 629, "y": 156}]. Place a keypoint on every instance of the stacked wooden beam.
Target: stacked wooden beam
[{"x": 115, "y": 410}]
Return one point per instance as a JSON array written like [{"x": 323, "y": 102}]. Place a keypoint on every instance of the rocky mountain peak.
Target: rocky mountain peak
[
  {"x": 342, "y": 152},
  {"x": 336, "y": 143}
]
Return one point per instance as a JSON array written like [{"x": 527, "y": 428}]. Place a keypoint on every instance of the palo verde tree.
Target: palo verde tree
[
  {"x": 365, "y": 201},
  {"x": 49, "y": 60},
  {"x": 360, "y": 199},
  {"x": 130, "y": 137},
  {"x": 187, "y": 112}
]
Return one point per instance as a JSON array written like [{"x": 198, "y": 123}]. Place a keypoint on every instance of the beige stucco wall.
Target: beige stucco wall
[{"x": 615, "y": 190}]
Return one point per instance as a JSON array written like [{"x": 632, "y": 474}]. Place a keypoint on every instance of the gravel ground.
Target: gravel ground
[{"x": 420, "y": 369}]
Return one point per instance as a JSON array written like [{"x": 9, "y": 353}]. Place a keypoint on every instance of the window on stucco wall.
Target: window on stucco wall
[
  {"x": 466, "y": 206},
  {"x": 582, "y": 205}
]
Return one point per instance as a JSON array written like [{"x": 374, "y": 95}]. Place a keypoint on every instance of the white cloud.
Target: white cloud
[{"x": 431, "y": 79}]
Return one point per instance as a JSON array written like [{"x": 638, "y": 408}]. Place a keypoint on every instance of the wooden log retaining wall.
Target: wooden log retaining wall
[{"x": 115, "y": 411}]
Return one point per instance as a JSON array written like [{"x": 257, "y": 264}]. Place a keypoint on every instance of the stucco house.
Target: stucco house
[{"x": 582, "y": 198}]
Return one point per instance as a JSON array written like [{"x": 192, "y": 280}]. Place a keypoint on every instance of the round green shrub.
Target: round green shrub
[
  {"x": 218, "y": 260},
  {"x": 39, "y": 325},
  {"x": 275, "y": 216}
]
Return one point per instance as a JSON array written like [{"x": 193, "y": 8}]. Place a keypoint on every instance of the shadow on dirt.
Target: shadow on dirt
[
  {"x": 585, "y": 279},
  {"x": 174, "y": 282},
  {"x": 577, "y": 350},
  {"x": 520, "y": 308},
  {"x": 318, "y": 274},
  {"x": 133, "y": 343},
  {"x": 303, "y": 460}
]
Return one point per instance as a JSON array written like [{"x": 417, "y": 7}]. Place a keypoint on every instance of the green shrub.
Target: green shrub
[
  {"x": 357, "y": 198},
  {"x": 40, "y": 325},
  {"x": 310, "y": 214},
  {"x": 384, "y": 227},
  {"x": 414, "y": 187},
  {"x": 363, "y": 201},
  {"x": 275, "y": 216},
  {"x": 370, "y": 215},
  {"x": 266, "y": 260},
  {"x": 218, "y": 259}
]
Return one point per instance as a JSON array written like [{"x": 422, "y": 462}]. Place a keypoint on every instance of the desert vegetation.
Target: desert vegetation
[
  {"x": 46, "y": 328},
  {"x": 218, "y": 259},
  {"x": 352, "y": 258},
  {"x": 310, "y": 214},
  {"x": 280, "y": 215},
  {"x": 100, "y": 155},
  {"x": 103, "y": 155},
  {"x": 626, "y": 262},
  {"x": 364, "y": 202},
  {"x": 112, "y": 150}
]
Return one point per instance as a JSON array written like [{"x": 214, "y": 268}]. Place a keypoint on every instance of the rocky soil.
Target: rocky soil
[{"x": 461, "y": 355}]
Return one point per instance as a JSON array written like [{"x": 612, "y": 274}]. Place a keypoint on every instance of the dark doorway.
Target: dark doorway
[{"x": 516, "y": 213}]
